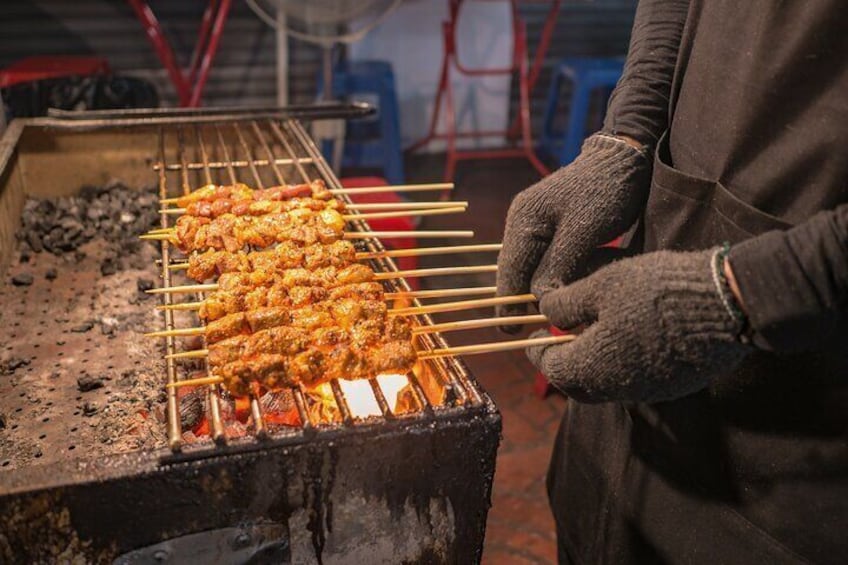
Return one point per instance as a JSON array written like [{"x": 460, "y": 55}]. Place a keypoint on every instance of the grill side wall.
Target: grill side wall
[{"x": 440, "y": 475}]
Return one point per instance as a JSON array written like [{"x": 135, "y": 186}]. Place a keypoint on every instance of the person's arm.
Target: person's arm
[
  {"x": 554, "y": 227},
  {"x": 639, "y": 106},
  {"x": 793, "y": 284}
]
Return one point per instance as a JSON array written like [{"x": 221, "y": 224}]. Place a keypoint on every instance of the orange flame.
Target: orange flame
[{"x": 360, "y": 396}]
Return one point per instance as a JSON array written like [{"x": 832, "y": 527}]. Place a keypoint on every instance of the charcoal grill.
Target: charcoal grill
[{"x": 409, "y": 485}]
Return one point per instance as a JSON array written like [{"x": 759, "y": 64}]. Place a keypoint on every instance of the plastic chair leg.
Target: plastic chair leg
[
  {"x": 548, "y": 134},
  {"x": 576, "y": 124},
  {"x": 390, "y": 132}
]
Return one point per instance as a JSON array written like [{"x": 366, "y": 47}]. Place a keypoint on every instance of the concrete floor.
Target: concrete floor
[{"x": 520, "y": 528}]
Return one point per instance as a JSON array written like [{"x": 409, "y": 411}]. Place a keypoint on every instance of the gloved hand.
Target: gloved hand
[
  {"x": 660, "y": 326},
  {"x": 554, "y": 226}
]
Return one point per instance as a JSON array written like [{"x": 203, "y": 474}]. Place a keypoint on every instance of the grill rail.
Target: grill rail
[{"x": 262, "y": 152}]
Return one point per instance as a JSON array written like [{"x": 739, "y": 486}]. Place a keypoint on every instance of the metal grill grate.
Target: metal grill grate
[{"x": 270, "y": 152}]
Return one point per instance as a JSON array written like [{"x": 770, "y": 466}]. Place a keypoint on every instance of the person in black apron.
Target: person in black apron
[{"x": 710, "y": 380}]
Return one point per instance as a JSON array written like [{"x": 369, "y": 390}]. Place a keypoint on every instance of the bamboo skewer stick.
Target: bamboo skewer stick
[
  {"x": 431, "y": 308},
  {"x": 475, "y": 349},
  {"x": 394, "y": 188},
  {"x": 368, "y": 216},
  {"x": 178, "y": 332},
  {"x": 193, "y": 354},
  {"x": 434, "y": 293},
  {"x": 438, "y": 271},
  {"x": 444, "y": 307},
  {"x": 463, "y": 305},
  {"x": 424, "y": 251},
  {"x": 443, "y": 328},
  {"x": 404, "y": 213},
  {"x": 481, "y": 323},
  {"x": 210, "y": 380},
  {"x": 435, "y": 272},
  {"x": 368, "y": 206},
  {"x": 170, "y": 200},
  {"x": 413, "y": 233},
  {"x": 442, "y": 292},
  {"x": 371, "y": 216},
  {"x": 181, "y": 306},
  {"x": 184, "y": 288},
  {"x": 390, "y": 214},
  {"x": 370, "y": 189},
  {"x": 372, "y": 206},
  {"x": 415, "y": 252},
  {"x": 166, "y": 235},
  {"x": 495, "y": 347}
]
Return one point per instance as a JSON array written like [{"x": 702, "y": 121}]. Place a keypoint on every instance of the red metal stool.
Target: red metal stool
[{"x": 387, "y": 224}]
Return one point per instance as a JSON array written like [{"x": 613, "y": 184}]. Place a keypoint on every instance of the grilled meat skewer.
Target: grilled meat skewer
[
  {"x": 326, "y": 276},
  {"x": 288, "y": 355},
  {"x": 287, "y": 255},
  {"x": 258, "y": 207},
  {"x": 345, "y": 314},
  {"x": 231, "y": 232},
  {"x": 223, "y": 302},
  {"x": 315, "y": 365},
  {"x": 211, "y": 193}
]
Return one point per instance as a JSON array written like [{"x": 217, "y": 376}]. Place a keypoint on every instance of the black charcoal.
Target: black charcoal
[
  {"x": 109, "y": 266},
  {"x": 22, "y": 279},
  {"x": 114, "y": 213},
  {"x": 34, "y": 241},
  {"x": 12, "y": 364},
  {"x": 83, "y": 327},
  {"x": 86, "y": 383}
]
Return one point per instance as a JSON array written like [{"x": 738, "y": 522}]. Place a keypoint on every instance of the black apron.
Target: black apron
[{"x": 753, "y": 469}]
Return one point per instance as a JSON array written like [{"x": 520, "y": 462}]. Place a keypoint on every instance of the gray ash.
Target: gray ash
[{"x": 77, "y": 378}]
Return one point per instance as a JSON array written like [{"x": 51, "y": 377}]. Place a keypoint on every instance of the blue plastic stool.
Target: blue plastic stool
[
  {"x": 372, "y": 142},
  {"x": 586, "y": 74}
]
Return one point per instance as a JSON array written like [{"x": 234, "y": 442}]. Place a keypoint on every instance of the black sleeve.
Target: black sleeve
[
  {"x": 794, "y": 283},
  {"x": 639, "y": 105}
]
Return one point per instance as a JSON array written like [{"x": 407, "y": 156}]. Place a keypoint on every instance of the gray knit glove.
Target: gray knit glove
[
  {"x": 660, "y": 326},
  {"x": 554, "y": 226}
]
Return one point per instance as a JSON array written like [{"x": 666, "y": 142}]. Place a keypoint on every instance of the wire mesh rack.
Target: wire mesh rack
[{"x": 270, "y": 152}]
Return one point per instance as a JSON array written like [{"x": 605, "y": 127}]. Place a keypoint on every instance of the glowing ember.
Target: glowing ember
[
  {"x": 322, "y": 403},
  {"x": 279, "y": 409}
]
